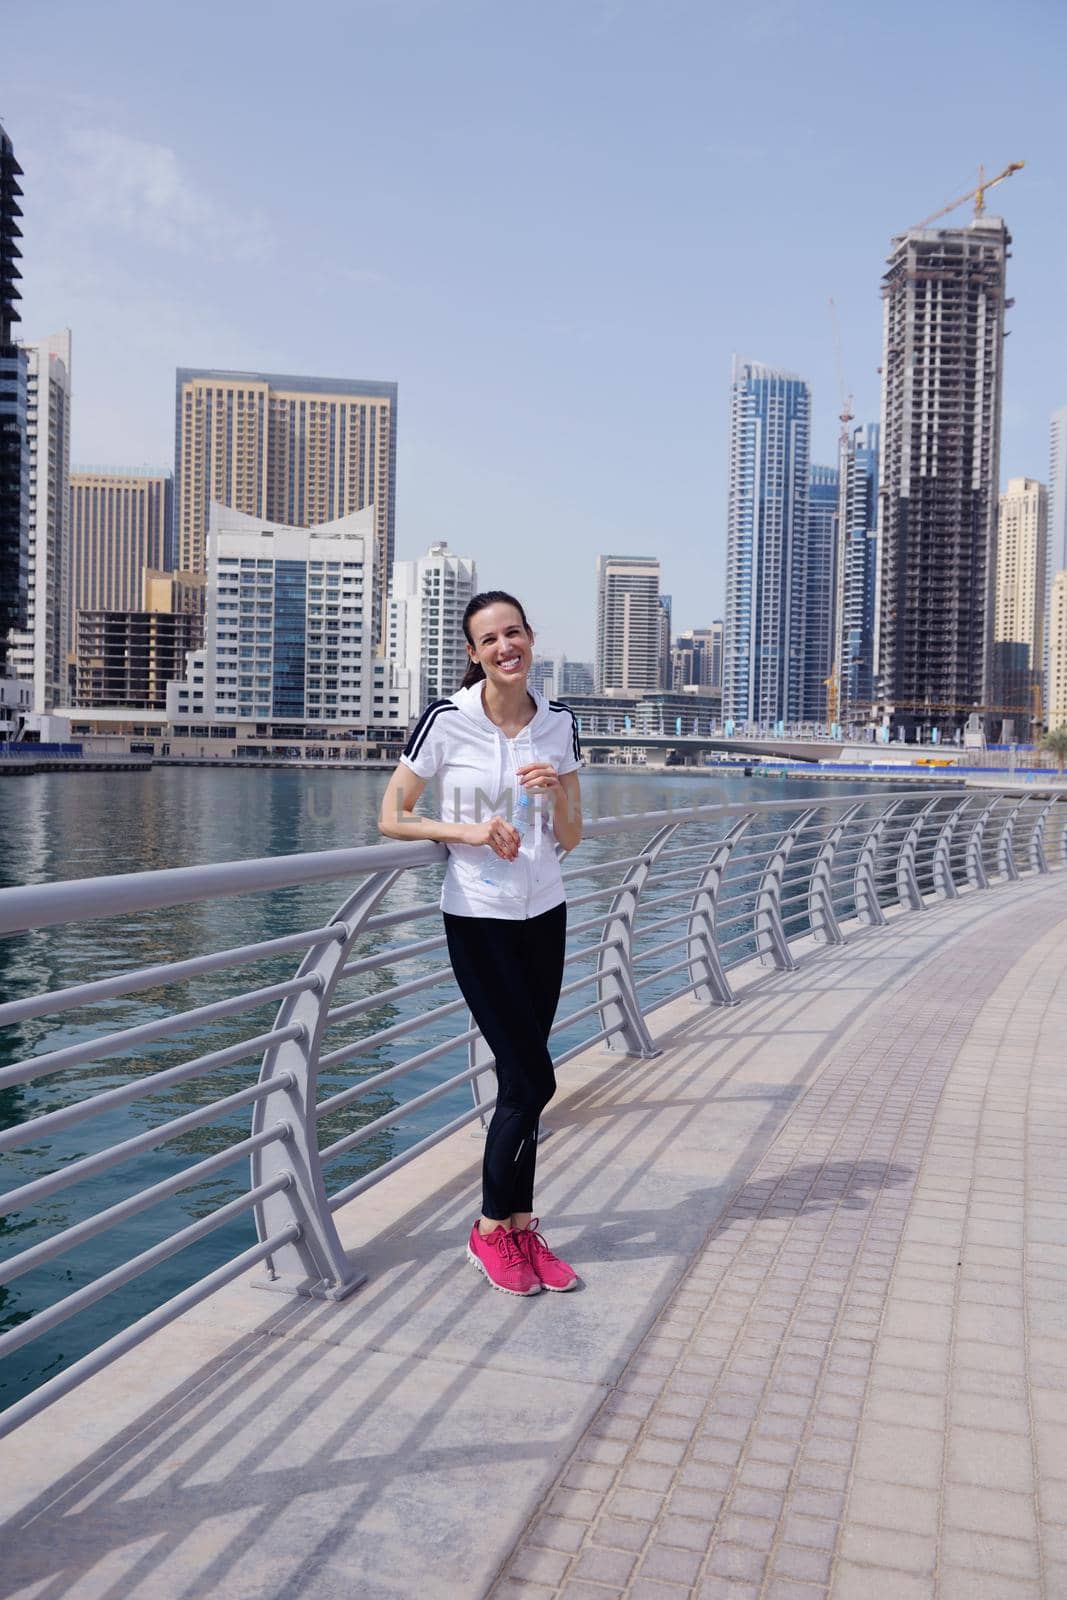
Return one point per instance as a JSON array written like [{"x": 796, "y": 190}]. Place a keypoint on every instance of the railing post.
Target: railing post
[
  {"x": 868, "y": 905},
  {"x": 944, "y": 882},
  {"x": 315, "y": 1263},
  {"x": 976, "y": 873},
  {"x": 1006, "y": 845},
  {"x": 821, "y": 913},
  {"x": 771, "y": 941},
  {"x": 620, "y": 1009},
  {"x": 908, "y": 890},
  {"x": 483, "y": 1087},
  {"x": 1038, "y": 861},
  {"x": 705, "y": 961}
]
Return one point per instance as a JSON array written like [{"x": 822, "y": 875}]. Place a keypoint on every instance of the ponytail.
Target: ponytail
[{"x": 492, "y": 597}]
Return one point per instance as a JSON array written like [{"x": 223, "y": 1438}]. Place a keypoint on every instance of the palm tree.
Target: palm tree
[{"x": 1055, "y": 742}]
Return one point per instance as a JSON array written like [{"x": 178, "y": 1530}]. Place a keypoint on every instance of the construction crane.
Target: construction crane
[{"x": 977, "y": 194}]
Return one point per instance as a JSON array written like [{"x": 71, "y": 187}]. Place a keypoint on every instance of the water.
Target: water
[{"x": 62, "y": 825}]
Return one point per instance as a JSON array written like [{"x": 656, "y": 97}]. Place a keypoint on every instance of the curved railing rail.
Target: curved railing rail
[{"x": 694, "y": 896}]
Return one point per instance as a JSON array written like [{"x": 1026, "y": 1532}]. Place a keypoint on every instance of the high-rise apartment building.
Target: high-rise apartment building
[
  {"x": 1057, "y": 491},
  {"x": 120, "y": 523},
  {"x": 296, "y": 451},
  {"x": 38, "y": 652},
  {"x": 1056, "y": 708},
  {"x": 1056, "y": 542},
  {"x": 854, "y": 588},
  {"x": 288, "y": 637},
  {"x": 665, "y": 609},
  {"x": 696, "y": 660},
  {"x": 819, "y": 579},
  {"x": 427, "y": 599},
  {"x": 126, "y": 657},
  {"x": 942, "y": 364},
  {"x": 766, "y": 536},
  {"x": 14, "y": 444},
  {"x": 628, "y": 623},
  {"x": 1019, "y": 603},
  {"x": 575, "y": 677}
]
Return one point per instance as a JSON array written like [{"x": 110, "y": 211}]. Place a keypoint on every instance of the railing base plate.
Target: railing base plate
[{"x": 311, "y": 1291}]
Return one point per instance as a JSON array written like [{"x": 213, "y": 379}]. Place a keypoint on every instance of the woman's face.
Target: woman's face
[{"x": 502, "y": 646}]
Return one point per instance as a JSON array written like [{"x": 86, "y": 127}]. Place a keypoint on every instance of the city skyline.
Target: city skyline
[{"x": 509, "y": 272}]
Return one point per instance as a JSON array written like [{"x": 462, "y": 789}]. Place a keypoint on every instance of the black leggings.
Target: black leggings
[{"x": 510, "y": 975}]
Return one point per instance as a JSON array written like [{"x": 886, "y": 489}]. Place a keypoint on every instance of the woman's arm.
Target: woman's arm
[
  {"x": 567, "y": 812},
  {"x": 564, "y": 796},
  {"x": 397, "y": 819}
]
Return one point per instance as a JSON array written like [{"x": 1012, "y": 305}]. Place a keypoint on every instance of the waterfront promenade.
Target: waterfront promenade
[{"x": 818, "y": 1351}]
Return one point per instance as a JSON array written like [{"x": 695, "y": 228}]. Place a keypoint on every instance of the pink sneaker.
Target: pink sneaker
[
  {"x": 552, "y": 1272},
  {"x": 503, "y": 1260}
]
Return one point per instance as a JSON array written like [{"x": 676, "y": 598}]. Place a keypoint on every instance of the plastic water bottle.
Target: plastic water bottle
[{"x": 497, "y": 872}]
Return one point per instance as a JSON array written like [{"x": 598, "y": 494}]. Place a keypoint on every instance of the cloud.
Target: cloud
[{"x": 143, "y": 190}]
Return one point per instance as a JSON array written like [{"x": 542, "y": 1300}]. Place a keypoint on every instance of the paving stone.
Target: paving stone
[
  {"x": 866, "y": 1583},
  {"x": 599, "y": 1565},
  {"x": 664, "y": 1561},
  {"x": 980, "y": 1456},
  {"x": 883, "y": 1547},
  {"x": 990, "y": 1553}
]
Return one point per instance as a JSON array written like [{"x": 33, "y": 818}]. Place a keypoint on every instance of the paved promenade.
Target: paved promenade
[{"x": 819, "y": 1350}]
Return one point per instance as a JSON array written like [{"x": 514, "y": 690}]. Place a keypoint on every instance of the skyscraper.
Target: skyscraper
[
  {"x": 1019, "y": 607},
  {"x": 427, "y": 599},
  {"x": 14, "y": 444},
  {"x": 857, "y": 549},
  {"x": 298, "y": 451},
  {"x": 120, "y": 522},
  {"x": 942, "y": 367},
  {"x": 819, "y": 576},
  {"x": 697, "y": 659},
  {"x": 665, "y": 641},
  {"x": 766, "y": 534},
  {"x": 1056, "y": 708},
  {"x": 1057, "y": 491},
  {"x": 628, "y": 623},
  {"x": 38, "y": 652}
]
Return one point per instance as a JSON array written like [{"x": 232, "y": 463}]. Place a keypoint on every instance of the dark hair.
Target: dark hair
[{"x": 478, "y": 602}]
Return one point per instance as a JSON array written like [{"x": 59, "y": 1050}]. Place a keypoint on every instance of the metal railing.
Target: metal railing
[{"x": 693, "y": 896}]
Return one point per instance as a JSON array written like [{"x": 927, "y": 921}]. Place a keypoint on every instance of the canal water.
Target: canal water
[{"x": 73, "y": 825}]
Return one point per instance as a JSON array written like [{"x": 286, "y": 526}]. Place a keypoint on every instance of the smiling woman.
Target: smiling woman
[{"x": 498, "y": 747}]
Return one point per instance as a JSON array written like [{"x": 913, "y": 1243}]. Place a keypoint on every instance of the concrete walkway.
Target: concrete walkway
[{"x": 819, "y": 1350}]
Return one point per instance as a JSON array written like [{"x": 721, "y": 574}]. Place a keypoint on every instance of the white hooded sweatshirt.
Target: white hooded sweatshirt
[{"x": 474, "y": 764}]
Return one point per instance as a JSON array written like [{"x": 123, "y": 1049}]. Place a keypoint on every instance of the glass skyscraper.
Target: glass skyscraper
[
  {"x": 819, "y": 567},
  {"x": 856, "y": 570},
  {"x": 767, "y": 523},
  {"x": 14, "y": 440}
]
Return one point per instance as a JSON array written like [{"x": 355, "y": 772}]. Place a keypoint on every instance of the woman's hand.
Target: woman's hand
[
  {"x": 539, "y": 777},
  {"x": 497, "y": 833}
]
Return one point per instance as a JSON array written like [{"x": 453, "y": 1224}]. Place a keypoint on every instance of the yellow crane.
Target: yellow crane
[{"x": 977, "y": 194}]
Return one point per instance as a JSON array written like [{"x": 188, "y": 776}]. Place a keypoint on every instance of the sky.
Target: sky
[{"x": 551, "y": 225}]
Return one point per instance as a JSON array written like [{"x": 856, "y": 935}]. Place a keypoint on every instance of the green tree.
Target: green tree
[{"x": 1055, "y": 742}]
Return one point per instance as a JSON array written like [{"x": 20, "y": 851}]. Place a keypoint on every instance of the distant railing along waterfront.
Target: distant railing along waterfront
[{"x": 692, "y": 896}]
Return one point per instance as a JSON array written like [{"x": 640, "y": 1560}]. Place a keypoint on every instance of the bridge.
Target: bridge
[
  {"x": 780, "y": 749},
  {"x": 807, "y": 1156}
]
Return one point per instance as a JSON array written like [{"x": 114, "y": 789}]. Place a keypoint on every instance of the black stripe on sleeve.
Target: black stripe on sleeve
[
  {"x": 576, "y": 745},
  {"x": 420, "y": 731}
]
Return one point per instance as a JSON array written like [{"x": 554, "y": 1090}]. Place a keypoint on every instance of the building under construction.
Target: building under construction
[{"x": 941, "y": 398}]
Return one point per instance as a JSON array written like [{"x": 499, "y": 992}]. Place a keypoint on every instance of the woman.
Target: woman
[{"x": 507, "y": 763}]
